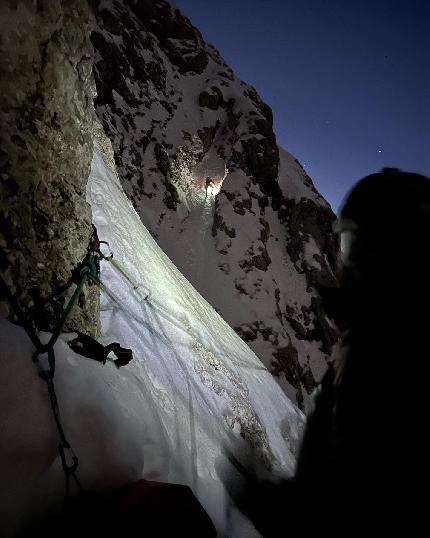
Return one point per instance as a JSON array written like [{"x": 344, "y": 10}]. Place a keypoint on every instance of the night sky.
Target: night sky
[{"x": 348, "y": 81}]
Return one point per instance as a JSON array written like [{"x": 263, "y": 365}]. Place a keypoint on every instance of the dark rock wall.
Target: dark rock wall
[{"x": 46, "y": 117}]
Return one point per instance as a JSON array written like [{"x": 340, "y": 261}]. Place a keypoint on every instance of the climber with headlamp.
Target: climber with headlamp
[{"x": 363, "y": 450}]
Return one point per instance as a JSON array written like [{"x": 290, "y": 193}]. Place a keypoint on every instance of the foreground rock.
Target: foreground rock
[{"x": 46, "y": 116}]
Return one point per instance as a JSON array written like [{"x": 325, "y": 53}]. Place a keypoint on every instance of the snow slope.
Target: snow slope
[
  {"x": 193, "y": 387},
  {"x": 257, "y": 243}
]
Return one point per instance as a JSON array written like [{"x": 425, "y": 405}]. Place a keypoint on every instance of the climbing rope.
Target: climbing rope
[
  {"x": 137, "y": 287},
  {"x": 46, "y": 370},
  {"x": 44, "y": 356},
  {"x": 144, "y": 295}
]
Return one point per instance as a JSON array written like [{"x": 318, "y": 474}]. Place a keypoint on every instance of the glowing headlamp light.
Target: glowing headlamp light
[{"x": 346, "y": 229}]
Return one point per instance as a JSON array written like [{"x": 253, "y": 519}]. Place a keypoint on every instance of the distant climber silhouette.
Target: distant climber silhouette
[
  {"x": 363, "y": 461},
  {"x": 208, "y": 183}
]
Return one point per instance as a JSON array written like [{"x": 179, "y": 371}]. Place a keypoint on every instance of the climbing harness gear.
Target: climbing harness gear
[
  {"x": 89, "y": 347},
  {"x": 44, "y": 356}
]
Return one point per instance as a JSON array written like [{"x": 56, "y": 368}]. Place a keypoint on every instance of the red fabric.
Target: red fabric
[
  {"x": 142, "y": 509},
  {"x": 164, "y": 509}
]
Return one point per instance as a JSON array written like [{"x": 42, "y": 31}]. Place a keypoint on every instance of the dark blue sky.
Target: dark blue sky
[{"x": 348, "y": 81}]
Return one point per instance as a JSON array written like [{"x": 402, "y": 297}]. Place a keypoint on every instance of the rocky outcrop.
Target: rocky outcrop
[
  {"x": 46, "y": 114},
  {"x": 197, "y": 156}
]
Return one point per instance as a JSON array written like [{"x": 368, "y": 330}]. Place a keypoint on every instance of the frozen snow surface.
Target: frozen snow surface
[{"x": 193, "y": 389}]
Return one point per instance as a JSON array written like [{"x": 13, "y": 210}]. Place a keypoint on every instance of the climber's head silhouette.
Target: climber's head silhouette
[
  {"x": 382, "y": 219},
  {"x": 384, "y": 229}
]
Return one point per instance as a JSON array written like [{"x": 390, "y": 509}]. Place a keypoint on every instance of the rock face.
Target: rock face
[
  {"x": 46, "y": 115},
  {"x": 197, "y": 155}
]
